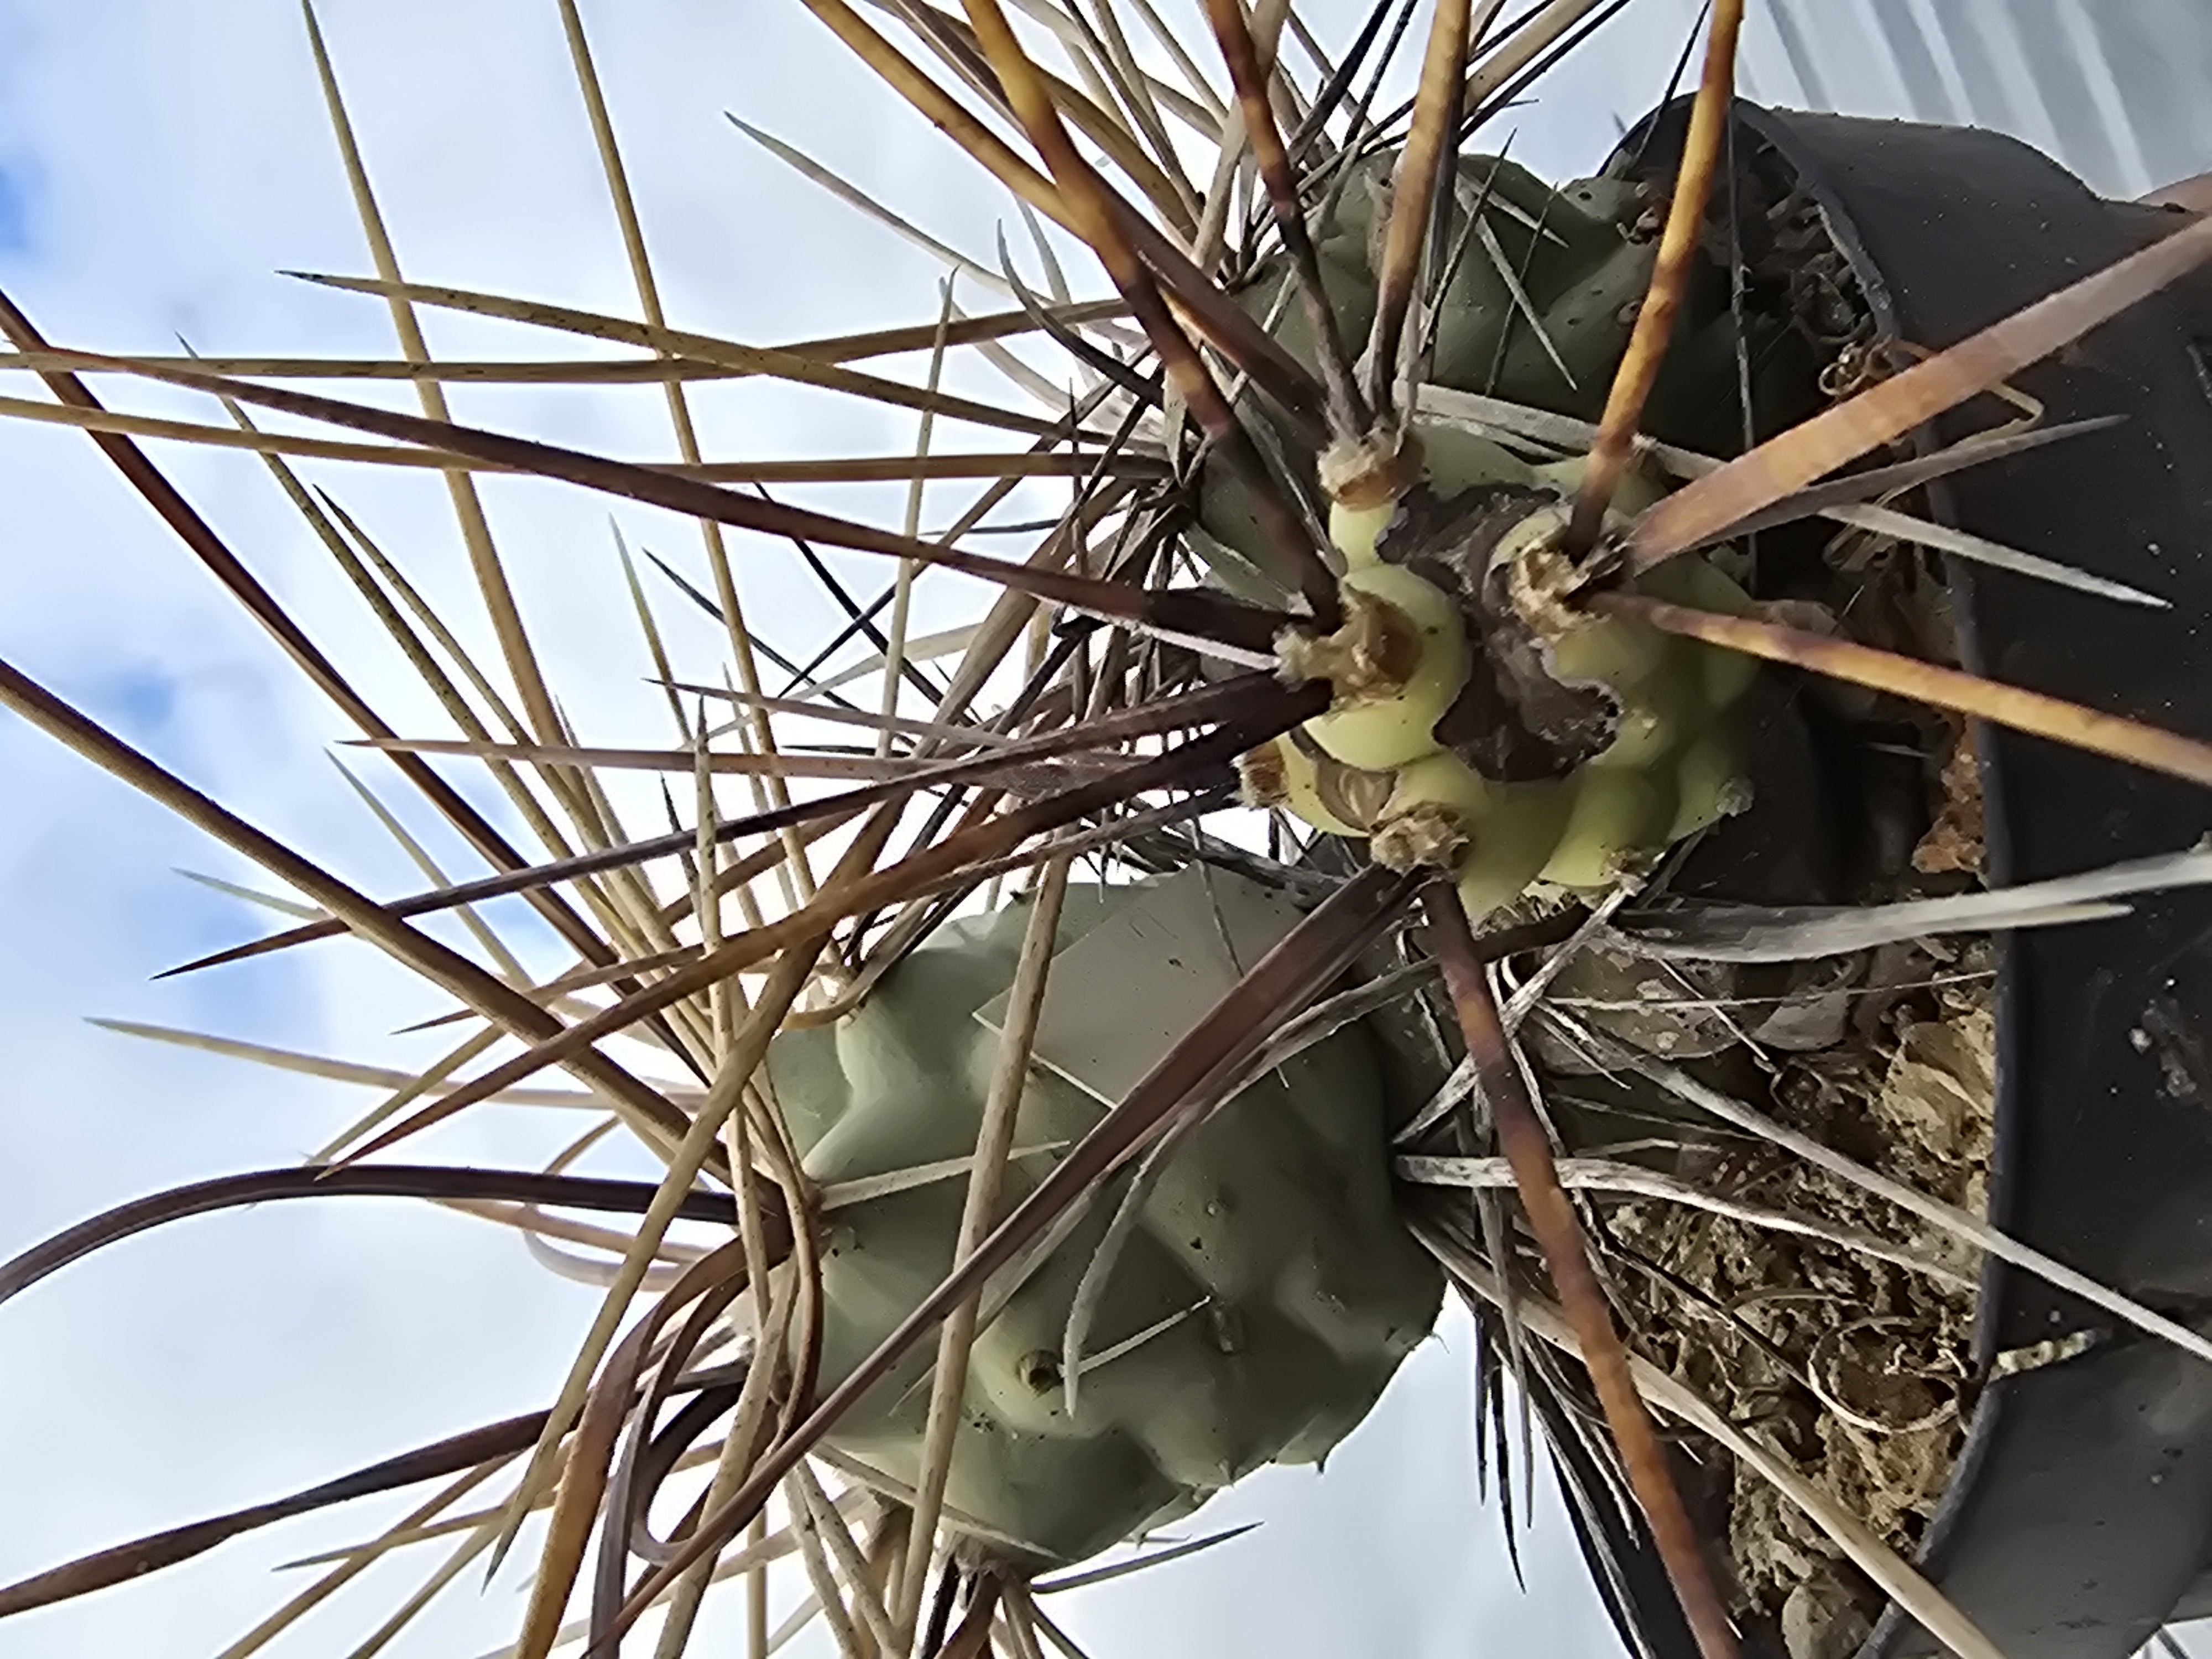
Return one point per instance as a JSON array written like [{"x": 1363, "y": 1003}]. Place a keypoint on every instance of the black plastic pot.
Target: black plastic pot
[{"x": 2079, "y": 1517}]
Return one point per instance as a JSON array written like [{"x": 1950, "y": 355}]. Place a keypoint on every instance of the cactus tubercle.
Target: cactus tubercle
[
  {"x": 1396, "y": 664},
  {"x": 1373, "y": 764}
]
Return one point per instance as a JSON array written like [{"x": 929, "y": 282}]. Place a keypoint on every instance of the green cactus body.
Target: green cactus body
[
  {"x": 1582, "y": 273},
  {"x": 1268, "y": 1245},
  {"x": 1581, "y": 259},
  {"x": 1512, "y": 830},
  {"x": 1574, "y": 750},
  {"x": 1668, "y": 764}
]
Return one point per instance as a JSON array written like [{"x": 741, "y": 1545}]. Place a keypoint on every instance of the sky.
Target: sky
[{"x": 161, "y": 165}]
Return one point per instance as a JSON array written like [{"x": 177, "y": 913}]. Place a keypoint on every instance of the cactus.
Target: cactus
[
  {"x": 1271, "y": 1232},
  {"x": 1399, "y": 661},
  {"x": 1631, "y": 749},
  {"x": 1583, "y": 273},
  {"x": 1572, "y": 749},
  {"x": 1484, "y": 722}
]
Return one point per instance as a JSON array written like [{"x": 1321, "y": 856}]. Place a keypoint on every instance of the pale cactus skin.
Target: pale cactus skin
[{"x": 1277, "y": 1214}]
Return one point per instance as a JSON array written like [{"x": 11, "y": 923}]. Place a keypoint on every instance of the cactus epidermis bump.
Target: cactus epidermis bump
[
  {"x": 1390, "y": 695},
  {"x": 1269, "y": 1251},
  {"x": 1669, "y": 768},
  {"x": 1509, "y": 830}
]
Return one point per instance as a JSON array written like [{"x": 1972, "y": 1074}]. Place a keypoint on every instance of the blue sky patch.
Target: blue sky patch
[
  {"x": 139, "y": 701},
  {"x": 15, "y": 210}
]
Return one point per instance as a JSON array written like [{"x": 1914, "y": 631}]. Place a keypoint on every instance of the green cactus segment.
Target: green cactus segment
[
  {"x": 1583, "y": 275},
  {"x": 1670, "y": 767},
  {"x": 1268, "y": 1250},
  {"x": 1583, "y": 272}
]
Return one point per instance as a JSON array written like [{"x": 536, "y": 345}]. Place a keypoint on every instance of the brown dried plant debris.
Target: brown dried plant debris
[
  {"x": 1853, "y": 1367},
  {"x": 1954, "y": 843}
]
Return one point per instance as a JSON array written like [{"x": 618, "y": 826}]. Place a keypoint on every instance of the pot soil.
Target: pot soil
[{"x": 2051, "y": 1473}]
